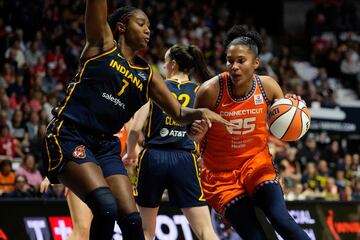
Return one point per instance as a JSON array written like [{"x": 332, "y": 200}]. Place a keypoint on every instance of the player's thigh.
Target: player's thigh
[
  {"x": 148, "y": 216},
  {"x": 152, "y": 178},
  {"x": 220, "y": 188},
  {"x": 262, "y": 171},
  {"x": 198, "y": 217},
  {"x": 82, "y": 178},
  {"x": 184, "y": 185}
]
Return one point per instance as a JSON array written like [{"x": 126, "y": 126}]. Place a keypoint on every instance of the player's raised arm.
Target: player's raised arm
[{"x": 99, "y": 37}]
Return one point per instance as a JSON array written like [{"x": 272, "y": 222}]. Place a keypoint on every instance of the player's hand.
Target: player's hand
[
  {"x": 129, "y": 158},
  {"x": 44, "y": 185},
  {"x": 209, "y": 116},
  {"x": 198, "y": 129},
  {"x": 294, "y": 96}
]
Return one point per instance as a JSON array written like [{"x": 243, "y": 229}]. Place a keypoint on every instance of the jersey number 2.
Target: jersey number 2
[{"x": 185, "y": 98}]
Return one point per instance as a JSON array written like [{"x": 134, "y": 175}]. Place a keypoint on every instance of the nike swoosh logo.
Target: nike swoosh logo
[{"x": 226, "y": 104}]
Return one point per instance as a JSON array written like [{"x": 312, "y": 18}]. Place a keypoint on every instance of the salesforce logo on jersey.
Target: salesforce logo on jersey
[
  {"x": 173, "y": 133},
  {"x": 113, "y": 99}
]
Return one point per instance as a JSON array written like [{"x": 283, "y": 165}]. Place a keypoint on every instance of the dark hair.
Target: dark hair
[
  {"x": 190, "y": 58},
  {"x": 120, "y": 15},
  {"x": 239, "y": 35},
  {"x": 5, "y": 162}
]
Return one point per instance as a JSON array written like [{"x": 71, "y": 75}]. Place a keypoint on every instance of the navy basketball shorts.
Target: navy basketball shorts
[
  {"x": 65, "y": 141},
  {"x": 174, "y": 170}
]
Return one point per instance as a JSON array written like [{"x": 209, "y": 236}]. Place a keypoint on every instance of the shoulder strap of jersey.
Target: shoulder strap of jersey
[
  {"x": 261, "y": 87},
  {"x": 223, "y": 78}
]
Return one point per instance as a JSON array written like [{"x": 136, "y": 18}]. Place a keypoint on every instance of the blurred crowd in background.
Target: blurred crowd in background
[{"x": 40, "y": 45}]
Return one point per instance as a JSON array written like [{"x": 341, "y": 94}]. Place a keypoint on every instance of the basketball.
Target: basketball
[{"x": 288, "y": 119}]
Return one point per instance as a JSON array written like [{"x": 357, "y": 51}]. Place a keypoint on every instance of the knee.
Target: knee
[
  {"x": 102, "y": 203},
  {"x": 131, "y": 226}
]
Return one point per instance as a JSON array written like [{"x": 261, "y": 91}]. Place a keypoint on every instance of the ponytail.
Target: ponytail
[
  {"x": 201, "y": 70},
  {"x": 190, "y": 58}
]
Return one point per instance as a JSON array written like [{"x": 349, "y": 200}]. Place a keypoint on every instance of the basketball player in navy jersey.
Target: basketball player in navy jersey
[
  {"x": 80, "y": 150},
  {"x": 168, "y": 160}
]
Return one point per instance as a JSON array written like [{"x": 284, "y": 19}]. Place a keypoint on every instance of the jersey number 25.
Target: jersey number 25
[{"x": 245, "y": 126}]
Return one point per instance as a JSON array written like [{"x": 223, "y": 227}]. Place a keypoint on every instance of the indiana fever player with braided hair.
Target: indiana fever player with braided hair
[
  {"x": 111, "y": 85},
  {"x": 238, "y": 172},
  {"x": 168, "y": 160}
]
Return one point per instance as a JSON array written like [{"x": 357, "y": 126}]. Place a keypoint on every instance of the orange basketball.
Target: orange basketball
[{"x": 288, "y": 119}]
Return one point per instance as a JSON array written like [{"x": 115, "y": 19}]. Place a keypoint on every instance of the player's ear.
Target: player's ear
[
  {"x": 121, "y": 27},
  {"x": 256, "y": 63}
]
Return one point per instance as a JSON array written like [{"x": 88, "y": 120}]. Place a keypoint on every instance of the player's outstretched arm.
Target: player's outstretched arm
[
  {"x": 161, "y": 95},
  {"x": 99, "y": 37}
]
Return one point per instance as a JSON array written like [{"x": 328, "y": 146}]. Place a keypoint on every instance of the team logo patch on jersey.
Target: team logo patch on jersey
[
  {"x": 142, "y": 75},
  {"x": 258, "y": 99},
  {"x": 79, "y": 152}
]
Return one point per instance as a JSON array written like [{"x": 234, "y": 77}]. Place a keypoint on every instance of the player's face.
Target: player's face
[
  {"x": 168, "y": 64},
  {"x": 138, "y": 30},
  {"x": 241, "y": 63}
]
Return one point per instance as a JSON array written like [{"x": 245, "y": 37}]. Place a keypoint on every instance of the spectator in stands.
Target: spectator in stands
[
  {"x": 350, "y": 68},
  {"x": 10, "y": 147},
  {"x": 17, "y": 90},
  {"x": 346, "y": 166},
  {"x": 33, "y": 54},
  {"x": 323, "y": 173},
  {"x": 7, "y": 75},
  {"x": 29, "y": 170},
  {"x": 19, "y": 130},
  {"x": 340, "y": 180},
  {"x": 22, "y": 189},
  {"x": 55, "y": 191},
  {"x": 309, "y": 178},
  {"x": 330, "y": 191},
  {"x": 356, "y": 192},
  {"x": 7, "y": 177},
  {"x": 332, "y": 155},
  {"x": 288, "y": 175},
  {"x": 33, "y": 125},
  {"x": 309, "y": 152},
  {"x": 347, "y": 194},
  {"x": 15, "y": 52},
  {"x": 355, "y": 166},
  {"x": 297, "y": 193}
]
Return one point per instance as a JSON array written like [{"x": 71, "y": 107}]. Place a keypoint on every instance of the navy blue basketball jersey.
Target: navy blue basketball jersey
[
  {"x": 162, "y": 130},
  {"x": 106, "y": 92}
]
